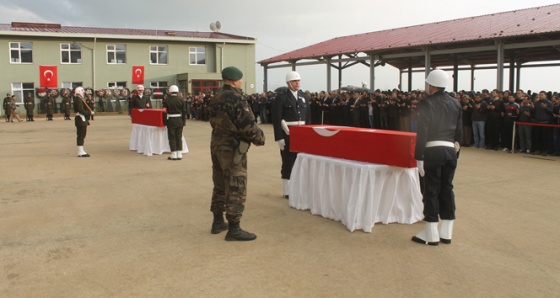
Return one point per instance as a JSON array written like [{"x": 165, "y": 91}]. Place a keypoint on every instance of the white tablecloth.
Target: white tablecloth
[
  {"x": 151, "y": 140},
  {"x": 358, "y": 194}
]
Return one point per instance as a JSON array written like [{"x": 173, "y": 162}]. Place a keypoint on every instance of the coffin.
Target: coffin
[{"x": 394, "y": 148}]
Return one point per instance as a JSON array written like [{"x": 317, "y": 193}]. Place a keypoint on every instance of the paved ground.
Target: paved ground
[{"x": 121, "y": 224}]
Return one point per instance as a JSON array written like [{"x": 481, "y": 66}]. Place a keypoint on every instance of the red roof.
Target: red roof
[
  {"x": 57, "y": 28},
  {"x": 531, "y": 21}
]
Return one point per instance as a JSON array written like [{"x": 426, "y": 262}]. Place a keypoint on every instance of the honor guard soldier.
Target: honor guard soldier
[
  {"x": 175, "y": 106},
  {"x": 140, "y": 100},
  {"x": 81, "y": 120},
  {"x": 437, "y": 147},
  {"x": 29, "y": 106},
  {"x": 289, "y": 108},
  {"x": 6, "y": 106},
  {"x": 233, "y": 130},
  {"x": 65, "y": 105}
]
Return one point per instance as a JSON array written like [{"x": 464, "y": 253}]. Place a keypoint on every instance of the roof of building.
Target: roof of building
[
  {"x": 48, "y": 28},
  {"x": 474, "y": 31}
]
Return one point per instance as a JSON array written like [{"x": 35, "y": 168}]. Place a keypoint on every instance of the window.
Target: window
[
  {"x": 158, "y": 54},
  {"x": 71, "y": 53},
  {"x": 116, "y": 84},
  {"x": 116, "y": 53},
  {"x": 197, "y": 56},
  {"x": 158, "y": 84},
  {"x": 71, "y": 85},
  {"x": 20, "y": 90},
  {"x": 205, "y": 86},
  {"x": 21, "y": 52}
]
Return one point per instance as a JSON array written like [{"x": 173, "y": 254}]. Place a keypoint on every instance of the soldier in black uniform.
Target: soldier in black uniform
[
  {"x": 65, "y": 105},
  {"x": 289, "y": 108},
  {"x": 176, "y": 111},
  {"x": 29, "y": 106},
  {"x": 439, "y": 131},
  {"x": 6, "y": 106},
  {"x": 233, "y": 130},
  {"x": 81, "y": 120}
]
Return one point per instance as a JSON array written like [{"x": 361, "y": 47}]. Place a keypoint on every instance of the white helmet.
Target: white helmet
[
  {"x": 173, "y": 89},
  {"x": 437, "y": 78},
  {"x": 79, "y": 91},
  {"x": 292, "y": 76}
]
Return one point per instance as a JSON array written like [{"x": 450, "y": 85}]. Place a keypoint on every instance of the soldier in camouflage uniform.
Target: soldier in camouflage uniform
[{"x": 233, "y": 130}]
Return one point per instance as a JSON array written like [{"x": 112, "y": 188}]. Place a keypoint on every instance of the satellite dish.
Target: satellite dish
[
  {"x": 213, "y": 27},
  {"x": 218, "y": 25}
]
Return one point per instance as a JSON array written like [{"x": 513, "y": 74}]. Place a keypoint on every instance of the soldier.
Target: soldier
[
  {"x": 49, "y": 105},
  {"x": 289, "y": 108},
  {"x": 81, "y": 120},
  {"x": 29, "y": 106},
  {"x": 140, "y": 100},
  {"x": 91, "y": 103},
  {"x": 14, "y": 112},
  {"x": 175, "y": 106},
  {"x": 65, "y": 104},
  {"x": 439, "y": 131},
  {"x": 6, "y": 106},
  {"x": 233, "y": 130}
]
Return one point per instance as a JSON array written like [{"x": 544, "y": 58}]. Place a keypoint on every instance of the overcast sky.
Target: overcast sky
[{"x": 282, "y": 26}]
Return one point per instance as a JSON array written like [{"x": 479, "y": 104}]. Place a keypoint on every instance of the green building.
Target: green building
[{"x": 104, "y": 58}]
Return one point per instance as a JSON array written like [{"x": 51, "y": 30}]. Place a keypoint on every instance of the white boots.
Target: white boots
[
  {"x": 431, "y": 236},
  {"x": 446, "y": 231},
  {"x": 82, "y": 152},
  {"x": 176, "y": 155},
  {"x": 286, "y": 186}
]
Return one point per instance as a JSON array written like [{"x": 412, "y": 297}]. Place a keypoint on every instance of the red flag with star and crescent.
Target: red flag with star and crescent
[
  {"x": 137, "y": 74},
  {"x": 48, "y": 76}
]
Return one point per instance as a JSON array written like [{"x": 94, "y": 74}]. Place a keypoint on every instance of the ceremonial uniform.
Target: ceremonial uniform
[
  {"x": 176, "y": 111},
  {"x": 29, "y": 107},
  {"x": 293, "y": 110},
  {"x": 439, "y": 128},
  {"x": 81, "y": 120},
  {"x": 65, "y": 107},
  {"x": 49, "y": 107},
  {"x": 6, "y": 106},
  {"x": 233, "y": 130}
]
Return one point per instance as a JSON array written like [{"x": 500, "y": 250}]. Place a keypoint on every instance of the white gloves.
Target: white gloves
[
  {"x": 92, "y": 113},
  {"x": 420, "y": 165},
  {"x": 281, "y": 144}
]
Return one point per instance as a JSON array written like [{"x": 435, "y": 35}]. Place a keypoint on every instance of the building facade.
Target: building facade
[{"x": 109, "y": 58}]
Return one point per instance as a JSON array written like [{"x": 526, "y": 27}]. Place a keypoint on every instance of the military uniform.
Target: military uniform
[
  {"x": 175, "y": 121},
  {"x": 81, "y": 121},
  {"x": 233, "y": 129},
  {"x": 49, "y": 107},
  {"x": 7, "y": 108},
  {"x": 29, "y": 107},
  {"x": 294, "y": 111},
  {"x": 65, "y": 107}
]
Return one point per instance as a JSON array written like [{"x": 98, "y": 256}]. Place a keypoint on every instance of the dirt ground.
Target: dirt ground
[{"x": 121, "y": 224}]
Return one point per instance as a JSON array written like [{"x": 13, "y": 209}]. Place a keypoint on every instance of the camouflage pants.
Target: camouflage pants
[{"x": 230, "y": 184}]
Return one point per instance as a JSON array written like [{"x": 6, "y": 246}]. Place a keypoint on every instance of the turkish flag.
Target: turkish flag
[
  {"x": 48, "y": 76},
  {"x": 137, "y": 74}
]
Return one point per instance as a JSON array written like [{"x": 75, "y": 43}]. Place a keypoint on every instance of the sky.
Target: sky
[{"x": 283, "y": 26}]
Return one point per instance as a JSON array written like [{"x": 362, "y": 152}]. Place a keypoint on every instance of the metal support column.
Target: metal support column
[
  {"x": 409, "y": 74},
  {"x": 265, "y": 78},
  {"x": 500, "y": 66},
  {"x": 456, "y": 74},
  {"x": 427, "y": 66},
  {"x": 472, "y": 77},
  {"x": 328, "y": 74}
]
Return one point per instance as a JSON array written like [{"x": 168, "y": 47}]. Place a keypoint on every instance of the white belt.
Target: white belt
[
  {"x": 81, "y": 116},
  {"x": 290, "y": 123},
  {"x": 440, "y": 144},
  {"x": 173, "y": 115}
]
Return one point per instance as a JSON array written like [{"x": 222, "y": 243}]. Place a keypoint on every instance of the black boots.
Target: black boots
[
  {"x": 235, "y": 233},
  {"x": 218, "y": 225}
]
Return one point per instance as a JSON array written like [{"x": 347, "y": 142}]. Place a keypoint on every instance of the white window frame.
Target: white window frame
[
  {"x": 157, "y": 50},
  {"x": 19, "y": 49},
  {"x": 114, "y": 49},
  {"x": 70, "y": 50},
  {"x": 194, "y": 53},
  {"x": 18, "y": 90},
  {"x": 113, "y": 85}
]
